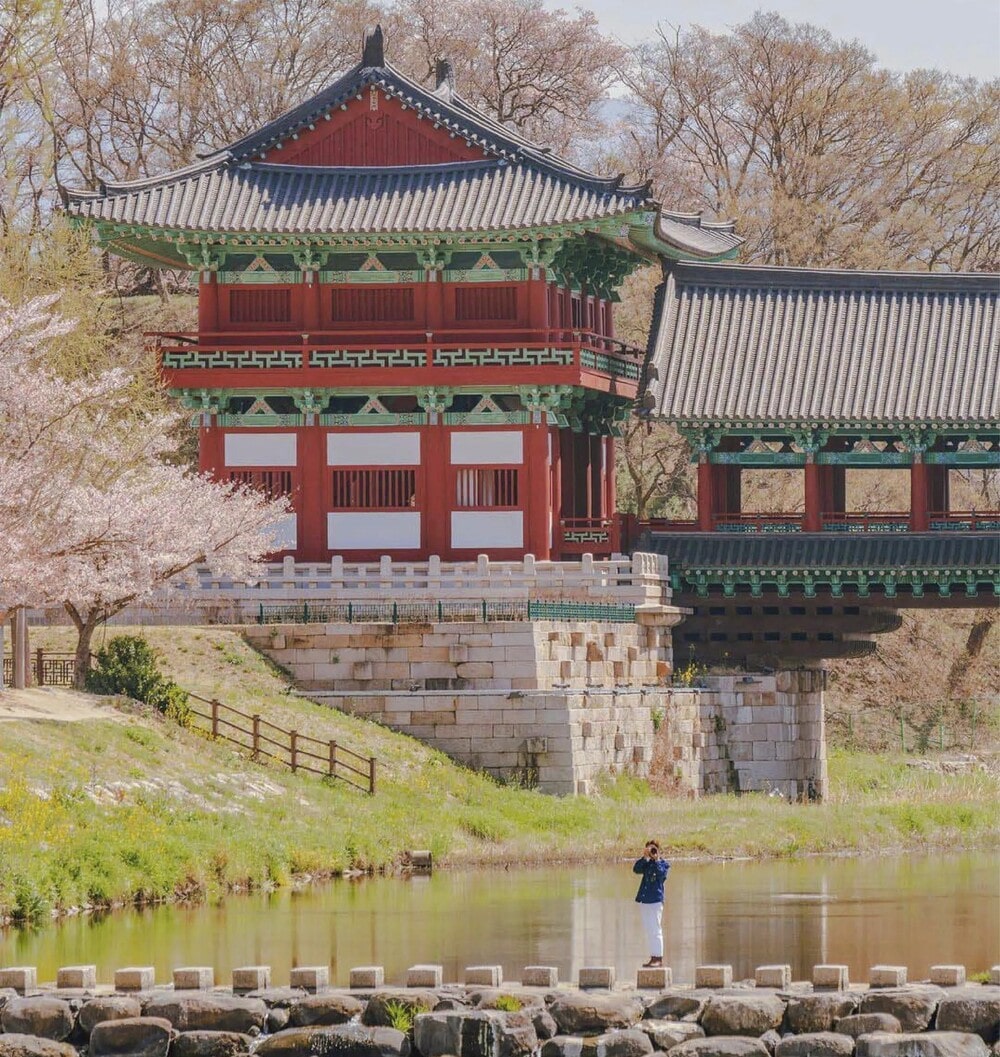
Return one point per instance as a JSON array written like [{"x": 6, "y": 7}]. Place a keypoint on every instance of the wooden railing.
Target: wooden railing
[
  {"x": 299, "y": 752},
  {"x": 832, "y": 521},
  {"x": 883, "y": 521}
]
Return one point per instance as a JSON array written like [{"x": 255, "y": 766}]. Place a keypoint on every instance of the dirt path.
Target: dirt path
[{"x": 54, "y": 703}]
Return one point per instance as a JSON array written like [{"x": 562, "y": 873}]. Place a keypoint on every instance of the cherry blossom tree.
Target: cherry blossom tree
[{"x": 92, "y": 515}]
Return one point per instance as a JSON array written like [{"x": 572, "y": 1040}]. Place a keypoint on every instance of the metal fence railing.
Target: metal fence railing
[
  {"x": 47, "y": 668},
  {"x": 465, "y": 611}
]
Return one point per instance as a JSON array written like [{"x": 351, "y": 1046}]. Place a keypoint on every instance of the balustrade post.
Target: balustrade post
[
  {"x": 39, "y": 671},
  {"x": 215, "y": 718},
  {"x": 293, "y": 749},
  {"x": 371, "y": 776},
  {"x": 333, "y": 758},
  {"x": 256, "y": 733}
]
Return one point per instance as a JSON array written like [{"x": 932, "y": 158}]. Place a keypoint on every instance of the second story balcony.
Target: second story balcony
[{"x": 360, "y": 359}]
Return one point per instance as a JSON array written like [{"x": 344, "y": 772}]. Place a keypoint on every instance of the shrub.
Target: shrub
[{"x": 128, "y": 665}]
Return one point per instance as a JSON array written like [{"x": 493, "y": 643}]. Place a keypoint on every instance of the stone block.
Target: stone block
[
  {"x": 995, "y": 976},
  {"x": 310, "y": 977},
  {"x": 887, "y": 976},
  {"x": 830, "y": 977},
  {"x": 424, "y": 976},
  {"x": 458, "y": 653},
  {"x": 654, "y": 979},
  {"x": 539, "y": 976},
  {"x": 20, "y": 978},
  {"x": 134, "y": 978},
  {"x": 194, "y": 978},
  {"x": 948, "y": 975},
  {"x": 597, "y": 976},
  {"x": 367, "y": 976},
  {"x": 779, "y": 976},
  {"x": 475, "y": 670},
  {"x": 251, "y": 978},
  {"x": 484, "y": 975},
  {"x": 70, "y": 976},
  {"x": 713, "y": 976}
]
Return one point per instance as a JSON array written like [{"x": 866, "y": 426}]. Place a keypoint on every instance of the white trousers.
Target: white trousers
[{"x": 652, "y": 918}]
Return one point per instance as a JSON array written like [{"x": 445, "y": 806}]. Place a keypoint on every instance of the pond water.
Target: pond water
[{"x": 914, "y": 911}]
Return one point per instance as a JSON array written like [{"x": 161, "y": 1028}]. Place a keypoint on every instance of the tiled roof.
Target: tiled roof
[
  {"x": 518, "y": 184},
  {"x": 258, "y": 197},
  {"x": 734, "y": 344},
  {"x": 827, "y": 550}
]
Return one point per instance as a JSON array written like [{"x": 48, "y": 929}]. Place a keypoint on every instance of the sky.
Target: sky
[{"x": 958, "y": 36}]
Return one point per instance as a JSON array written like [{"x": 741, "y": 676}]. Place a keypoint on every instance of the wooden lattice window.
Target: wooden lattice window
[
  {"x": 485, "y": 303},
  {"x": 376, "y": 305},
  {"x": 487, "y": 488},
  {"x": 390, "y": 489},
  {"x": 260, "y": 304},
  {"x": 273, "y": 483}
]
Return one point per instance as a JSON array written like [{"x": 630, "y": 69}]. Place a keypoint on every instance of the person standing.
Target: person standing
[{"x": 650, "y": 899}]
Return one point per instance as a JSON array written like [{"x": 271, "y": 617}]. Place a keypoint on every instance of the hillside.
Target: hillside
[
  {"x": 134, "y": 807},
  {"x": 939, "y": 672}
]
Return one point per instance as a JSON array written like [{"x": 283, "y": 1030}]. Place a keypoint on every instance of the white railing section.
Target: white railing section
[{"x": 640, "y": 580}]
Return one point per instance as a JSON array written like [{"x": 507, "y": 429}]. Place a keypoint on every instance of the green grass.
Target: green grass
[{"x": 107, "y": 812}]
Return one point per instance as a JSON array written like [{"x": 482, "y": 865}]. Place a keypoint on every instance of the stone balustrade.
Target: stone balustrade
[
  {"x": 483, "y": 1016},
  {"x": 641, "y": 579}
]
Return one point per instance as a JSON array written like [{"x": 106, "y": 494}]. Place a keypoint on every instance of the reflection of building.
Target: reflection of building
[{"x": 405, "y": 319}]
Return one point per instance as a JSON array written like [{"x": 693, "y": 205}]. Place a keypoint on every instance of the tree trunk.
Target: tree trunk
[
  {"x": 85, "y": 628},
  {"x": 83, "y": 652}
]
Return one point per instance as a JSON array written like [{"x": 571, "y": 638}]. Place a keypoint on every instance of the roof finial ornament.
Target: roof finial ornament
[
  {"x": 444, "y": 78},
  {"x": 374, "y": 50}
]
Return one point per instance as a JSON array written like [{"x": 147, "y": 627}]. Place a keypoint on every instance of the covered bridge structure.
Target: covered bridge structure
[{"x": 822, "y": 373}]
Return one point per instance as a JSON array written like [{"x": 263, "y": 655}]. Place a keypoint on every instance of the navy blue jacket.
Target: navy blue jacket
[{"x": 654, "y": 873}]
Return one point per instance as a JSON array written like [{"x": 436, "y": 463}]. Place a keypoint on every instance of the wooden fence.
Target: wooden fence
[{"x": 288, "y": 747}]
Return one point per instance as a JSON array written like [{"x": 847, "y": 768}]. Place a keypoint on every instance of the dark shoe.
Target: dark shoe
[{"x": 654, "y": 963}]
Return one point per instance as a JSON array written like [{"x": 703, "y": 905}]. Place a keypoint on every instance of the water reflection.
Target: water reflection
[{"x": 913, "y": 911}]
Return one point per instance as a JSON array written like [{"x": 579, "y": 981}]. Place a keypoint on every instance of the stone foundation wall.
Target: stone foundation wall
[
  {"x": 747, "y": 733},
  {"x": 556, "y": 704},
  {"x": 504, "y": 655}
]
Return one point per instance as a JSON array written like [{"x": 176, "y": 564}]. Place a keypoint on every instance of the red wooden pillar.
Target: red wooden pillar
[
  {"x": 812, "y": 518},
  {"x": 567, "y": 462},
  {"x": 611, "y": 489},
  {"x": 435, "y": 300},
  {"x": 556, "y": 475},
  {"x": 311, "y": 302},
  {"x": 537, "y": 496},
  {"x": 919, "y": 494},
  {"x": 706, "y": 494},
  {"x": 208, "y": 303},
  {"x": 211, "y": 449},
  {"x": 595, "y": 455},
  {"x": 439, "y": 486},
  {"x": 311, "y": 504},
  {"x": 538, "y": 316}
]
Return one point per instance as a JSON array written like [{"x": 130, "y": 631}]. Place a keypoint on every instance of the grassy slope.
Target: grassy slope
[{"x": 107, "y": 811}]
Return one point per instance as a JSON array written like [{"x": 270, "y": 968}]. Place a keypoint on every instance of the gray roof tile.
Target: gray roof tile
[
  {"x": 735, "y": 344},
  {"x": 874, "y": 551}
]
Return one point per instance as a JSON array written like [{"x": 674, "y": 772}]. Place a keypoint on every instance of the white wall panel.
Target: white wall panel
[
  {"x": 286, "y": 533},
  {"x": 482, "y": 529},
  {"x": 260, "y": 449},
  {"x": 373, "y": 449},
  {"x": 486, "y": 446},
  {"x": 370, "y": 531}
]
